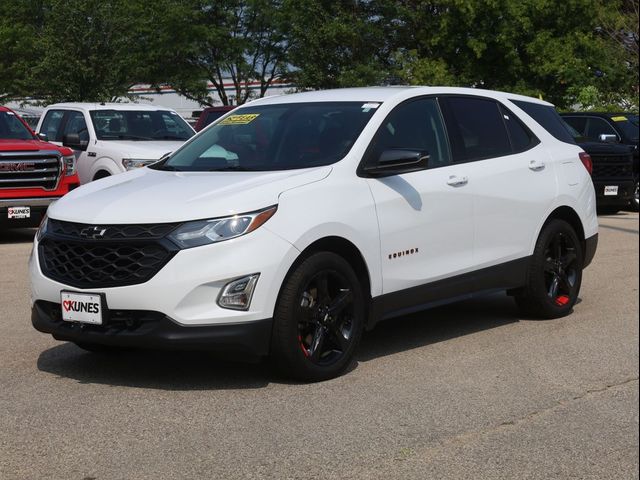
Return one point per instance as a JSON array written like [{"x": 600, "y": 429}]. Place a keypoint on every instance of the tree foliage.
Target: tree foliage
[{"x": 567, "y": 52}]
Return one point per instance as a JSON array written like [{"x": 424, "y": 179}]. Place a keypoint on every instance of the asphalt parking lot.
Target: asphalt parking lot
[{"x": 463, "y": 391}]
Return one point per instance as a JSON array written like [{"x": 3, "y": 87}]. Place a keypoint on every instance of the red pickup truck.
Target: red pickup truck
[{"x": 33, "y": 173}]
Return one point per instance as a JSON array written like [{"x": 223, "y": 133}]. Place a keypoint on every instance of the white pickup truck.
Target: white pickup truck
[{"x": 110, "y": 138}]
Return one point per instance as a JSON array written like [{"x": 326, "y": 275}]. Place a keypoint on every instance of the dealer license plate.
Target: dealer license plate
[
  {"x": 19, "y": 212},
  {"x": 611, "y": 190},
  {"x": 81, "y": 307}
]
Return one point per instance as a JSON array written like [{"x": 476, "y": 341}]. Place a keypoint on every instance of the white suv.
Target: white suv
[
  {"x": 294, "y": 223},
  {"x": 110, "y": 138}
]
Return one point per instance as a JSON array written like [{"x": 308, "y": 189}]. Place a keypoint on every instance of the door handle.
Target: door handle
[
  {"x": 536, "y": 165},
  {"x": 456, "y": 181}
]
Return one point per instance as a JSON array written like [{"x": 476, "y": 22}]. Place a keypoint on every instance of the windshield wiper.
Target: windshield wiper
[
  {"x": 124, "y": 137},
  {"x": 231, "y": 168},
  {"x": 169, "y": 137},
  {"x": 167, "y": 168}
]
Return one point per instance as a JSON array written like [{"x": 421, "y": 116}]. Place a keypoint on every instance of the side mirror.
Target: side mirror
[
  {"x": 43, "y": 137},
  {"x": 72, "y": 140},
  {"x": 398, "y": 161},
  {"x": 607, "y": 138}
]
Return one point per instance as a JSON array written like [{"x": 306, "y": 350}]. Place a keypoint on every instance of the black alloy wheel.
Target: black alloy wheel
[
  {"x": 325, "y": 325},
  {"x": 560, "y": 269},
  {"x": 554, "y": 274},
  {"x": 319, "y": 318}
]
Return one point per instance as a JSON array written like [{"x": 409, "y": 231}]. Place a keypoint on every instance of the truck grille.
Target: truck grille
[
  {"x": 30, "y": 170},
  {"x": 612, "y": 166},
  {"x": 70, "y": 256}
]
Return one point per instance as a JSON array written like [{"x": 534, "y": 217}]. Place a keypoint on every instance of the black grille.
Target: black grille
[
  {"x": 607, "y": 169},
  {"x": 30, "y": 170},
  {"x": 100, "y": 256},
  {"x": 111, "y": 232}
]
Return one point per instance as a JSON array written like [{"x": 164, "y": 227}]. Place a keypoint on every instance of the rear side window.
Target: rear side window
[
  {"x": 598, "y": 126},
  {"x": 51, "y": 125},
  {"x": 548, "y": 118},
  {"x": 521, "y": 137},
  {"x": 579, "y": 123},
  {"x": 476, "y": 128}
]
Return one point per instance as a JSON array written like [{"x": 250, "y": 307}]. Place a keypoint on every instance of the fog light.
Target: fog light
[{"x": 237, "y": 294}]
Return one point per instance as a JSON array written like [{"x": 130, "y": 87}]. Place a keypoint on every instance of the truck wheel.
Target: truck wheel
[
  {"x": 634, "y": 201},
  {"x": 319, "y": 319},
  {"x": 554, "y": 274}
]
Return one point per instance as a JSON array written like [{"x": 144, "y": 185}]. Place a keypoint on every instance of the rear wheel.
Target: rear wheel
[
  {"x": 555, "y": 273},
  {"x": 319, "y": 319}
]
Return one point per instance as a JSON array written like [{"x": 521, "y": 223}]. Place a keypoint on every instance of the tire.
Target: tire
[
  {"x": 98, "y": 348},
  {"x": 554, "y": 274},
  {"x": 318, "y": 320}
]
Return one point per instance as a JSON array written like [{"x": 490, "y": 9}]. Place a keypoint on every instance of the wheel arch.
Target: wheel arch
[{"x": 570, "y": 216}]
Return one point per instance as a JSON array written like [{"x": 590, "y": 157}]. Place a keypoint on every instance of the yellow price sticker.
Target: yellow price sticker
[
  {"x": 619, "y": 119},
  {"x": 240, "y": 119}
]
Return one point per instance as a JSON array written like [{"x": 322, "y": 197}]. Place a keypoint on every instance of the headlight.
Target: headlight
[
  {"x": 133, "y": 163},
  {"x": 204, "y": 232},
  {"x": 42, "y": 229},
  {"x": 69, "y": 165}
]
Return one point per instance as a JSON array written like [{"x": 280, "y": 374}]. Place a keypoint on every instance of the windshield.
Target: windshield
[
  {"x": 140, "y": 125},
  {"x": 11, "y": 128},
  {"x": 275, "y": 137}
]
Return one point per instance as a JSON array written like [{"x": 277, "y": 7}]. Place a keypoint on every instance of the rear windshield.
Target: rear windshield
[
  {"x": 548, "y": 118},
  {"x": 140, "y": 125},
  {"x": 11, "y": 128},
  {"x": 275, "y": 137}
]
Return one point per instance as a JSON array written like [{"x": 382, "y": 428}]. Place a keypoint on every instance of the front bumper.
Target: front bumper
[
  {"x": 186, "y": 289},
  {"x": 38, "y": 206},
  {"x": 145, "y": 329}
]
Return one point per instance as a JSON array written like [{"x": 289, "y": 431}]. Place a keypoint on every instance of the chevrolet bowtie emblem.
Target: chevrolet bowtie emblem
[{"x": 93, "y": 232}]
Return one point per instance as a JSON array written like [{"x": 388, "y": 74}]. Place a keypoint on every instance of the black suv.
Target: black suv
[{"x": 609, "y": 130}]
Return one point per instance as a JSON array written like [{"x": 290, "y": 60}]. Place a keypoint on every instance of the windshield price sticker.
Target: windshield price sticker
[
  {"x": 240, "y": 119},
  {"x": 369, "y": 106},
  {"x": 619, "y": 119}
]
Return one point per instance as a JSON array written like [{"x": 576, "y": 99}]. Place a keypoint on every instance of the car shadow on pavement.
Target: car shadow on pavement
[
  {"x": 437, "y": 325},
  {"x": 171, "y": 370},
  {"x": 19, "y": 235}
]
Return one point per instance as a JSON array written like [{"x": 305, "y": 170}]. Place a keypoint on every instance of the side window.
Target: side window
[
  {"x": 415, "y": 125},
  {"x": 548, "y": 119},
  {"x": 579, "y": 123},
  {"x": 521, "y": 137},
  {"x": 51, "y": 125},
  {"x": 596, "y": 127},
  {"x": 477, "y": 129},
  {"x": 76, "y": 124}
]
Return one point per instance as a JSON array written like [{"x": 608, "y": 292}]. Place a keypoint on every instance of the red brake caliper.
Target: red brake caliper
[{"x": 562, "y": 300}]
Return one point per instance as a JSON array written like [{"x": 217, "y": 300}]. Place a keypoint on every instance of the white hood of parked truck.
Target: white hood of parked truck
[
  {"x": 147, "y": 150},
  {"x": 153, "y": 196}
]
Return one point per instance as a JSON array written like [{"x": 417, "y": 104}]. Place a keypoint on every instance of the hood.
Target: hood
[
  {"x": 13, "y": 145},
  {"x": 154, "y": 196},
  {"x": 145, "y": 149}
]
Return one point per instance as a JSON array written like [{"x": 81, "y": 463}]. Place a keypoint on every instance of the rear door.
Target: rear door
[
  {"x": 510, "y": 177},
  {"x": 425, "y": 218}
]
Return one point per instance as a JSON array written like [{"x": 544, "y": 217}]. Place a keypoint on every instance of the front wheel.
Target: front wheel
[
  {"x": 319, "y": 319},
  {"x": 555, "y": 273},
  {"x": 635, "y": 201}
]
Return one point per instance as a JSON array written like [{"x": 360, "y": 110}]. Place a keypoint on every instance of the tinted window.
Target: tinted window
[
  {"x": 628, "y": 125},
  {"x": 415, "y": 125},
  {"x": 275, "y": 137},
  {"x": 520, "y": 136},
  {"x": 598, "y": 126},
  {"x": 75, "y": 123},
  {"x": 548, "y": 118},
  {"x": 578, "y": 123},
  {"x": 477, "y": 129},
  {"x": 12, "y": 128},
  {"x": 139, "y": 125},
  {"x": 51, "y": 125}
]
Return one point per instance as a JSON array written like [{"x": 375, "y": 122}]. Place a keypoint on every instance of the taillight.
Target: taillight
[{"x": 585, "y": 158}]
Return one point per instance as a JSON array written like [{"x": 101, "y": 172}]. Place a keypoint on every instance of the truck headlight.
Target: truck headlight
[
  {"x": 69, "y": 165},
  {"x": 133, "y": 163},
  {"x": 204, "y": 232}
]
